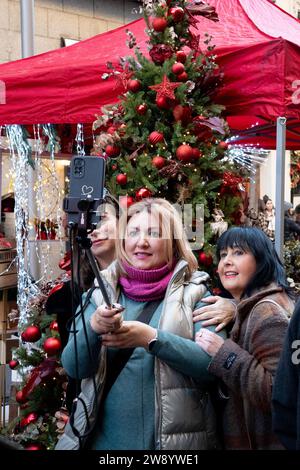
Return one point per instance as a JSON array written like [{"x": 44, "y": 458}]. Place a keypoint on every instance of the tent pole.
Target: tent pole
[
  {"x": 279, "y": 197},
  {"x": 27, "y": 27}
]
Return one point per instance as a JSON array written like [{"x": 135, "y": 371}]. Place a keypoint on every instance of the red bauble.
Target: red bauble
[
  {"x": 13, "y": 363},
  {"x": 159, "y": 162},
  {"x": 178, "y": 68},
  {"x": 52, "y": 346},
  {"x": 197, "y": 154},
  {"x": 126, "y": 201},
  {"x": 141, "y": 109},
  {"x": 181, "y": 56},
  {"x": 121, "y": 179},
  {"x": 205, "y": 259},
  {"x": 134, "y": 85},
  {"x": 182, "y": 113},
  {"x": 31, "y": 418},
  {"x": 155, "y": 137},
  {"x": 163, "y": 102},
  {"x": 177, "y": 13},
  {"x": 20, "y": 397},
  {"x": 54, "y": 326},
  {"x": 223, "y": 145},
  {"x": 182, "y": 77},
  {"x": 159, "y": 24},
  {"x": 184, "y": 153},
  {"x": 31, "y": 334},
  {"x": 112, "y": 150},
  {"x": 142, "y": 194}
]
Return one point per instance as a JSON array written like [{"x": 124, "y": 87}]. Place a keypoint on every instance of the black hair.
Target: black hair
[
  {"x": 297, "y": 209},
  {"x": 269, "y": 268}
]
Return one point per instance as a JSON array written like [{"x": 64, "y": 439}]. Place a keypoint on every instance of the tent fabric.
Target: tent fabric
[{"x": 257, "y": 46}]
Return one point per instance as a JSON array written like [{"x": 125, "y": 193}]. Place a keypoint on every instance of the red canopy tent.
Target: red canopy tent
[{"x": 258, "y": 47}]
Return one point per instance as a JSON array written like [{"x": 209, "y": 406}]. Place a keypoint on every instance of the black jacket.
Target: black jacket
[{"x": 286, "y": 390}]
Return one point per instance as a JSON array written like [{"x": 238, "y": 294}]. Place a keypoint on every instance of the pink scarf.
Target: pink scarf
[{"x": 143, "y": 285}]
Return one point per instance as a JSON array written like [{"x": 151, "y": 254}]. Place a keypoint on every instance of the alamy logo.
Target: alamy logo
[
  {"x": 2, "y": 92},
  {"x": 296, "y": 354},
  {"x": 296, "y": 94}
]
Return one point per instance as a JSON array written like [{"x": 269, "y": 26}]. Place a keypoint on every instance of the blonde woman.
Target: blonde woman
[{"x": 151, "y": 377}]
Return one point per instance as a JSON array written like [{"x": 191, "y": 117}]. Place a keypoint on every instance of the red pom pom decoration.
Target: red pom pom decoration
[
  {"x": 134, "y": 85},
  {"x": 142, "y": 194},
  {"x": 141, "y": 109},
  {"x": 155, "y": 137},
  {"x": 178, "y": 68},
  {"x": 52, "y": 346},
  {"x": 159, "y": 162},
  {"x": 184, "y": 153},
  {"x": 121, "y": 179},
  {"x": 31, "y": 334},
  {"x": 112, "y": 150},
  {"x": 126, "y": 201},
  {"x": 181, "y": 56},
  {"x": 13, "y": 363},
  {"x": 159, "y": 24}
]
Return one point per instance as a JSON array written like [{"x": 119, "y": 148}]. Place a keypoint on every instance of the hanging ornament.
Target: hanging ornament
[
  {"x": 177, "y": 14},
  {"x": 121, "y": 179},
  {"x": 114, "y": 167},
  {"x": 141, "y": 109},
  {"x": 181, "y": 56},
  {"x": 31, "y": 334},
  {"x": 162, "y": 102},
  {"x": 142, "y": 194},
  {"x": 155, "y": 137},
  {"x": 13, "y": 364},
  {"x": 161, "y": 52},
  {"x": 159, "y": 24},
  {"x": 184, "y": 153},
  {"x": 52, "y": 346},
  {"x": 205, "y": 259},
  {"x": 197, "y": 154},
  {"x": 134, "y": 85},
  {"x": 182, "y": 113},
  {"x": 54, "y": 326},
  {"x": 223, "y": 146},
  {"x": 126, "y": 201},
  {"x": 178, "y": 68},
  {"x": 21, "y": 397},
  {"x": 182, "y": 77},
  {"x": 112, "y": 150},
  {"x": 159, "y": 162},
  {"x": 165, "y": 88},
  {"x": 31, "y": 418}
]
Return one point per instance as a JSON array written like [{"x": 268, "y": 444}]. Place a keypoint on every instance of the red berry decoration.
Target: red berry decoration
[
  {"x": 31, "y": 418},
  {"x": 159, "y": 162},
  {"x": 223, "y": 145},
  {"x": 31, "y": 334},
  {"x": 54, "y": 326},
  {"x": 155, "y": 137},
  {"x": 205, "y": 259},
  {"x": 52, "y": 346},
  {"x": 13, "y": 363},
  {"x": 162, "y": 102},
  {"x": 142, "y": 194},
  {"x": 20, "y": 397},
  {"x": 126, "y": 201},
  {"x": 112, "y": 150},
  {"x": 181, "y": 56},
  {"x": 134, "y": 85},
  {"x": 159, "y": 24},
  {"x": 184, "y": 153},
  {"x": 121, "y": 179},
  {"x": 182, "y": 77},
  {"x": 142, "y": 109},
  {"x": 177, "y": 13},
  {"x": 178, "y": 68}
]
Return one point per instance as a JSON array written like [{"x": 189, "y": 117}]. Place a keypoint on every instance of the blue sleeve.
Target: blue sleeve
[
  {"x": 184, "y": 354},
  {"x": 87, "y": 363}
]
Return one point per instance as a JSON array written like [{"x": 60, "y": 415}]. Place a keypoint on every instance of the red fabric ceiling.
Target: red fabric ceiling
[{"x": 258, "y": 46}]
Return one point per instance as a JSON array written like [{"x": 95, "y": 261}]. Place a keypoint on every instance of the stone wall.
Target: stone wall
[{"x": 56, "y": 19}]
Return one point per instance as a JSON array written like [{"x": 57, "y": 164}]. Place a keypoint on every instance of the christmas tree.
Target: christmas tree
[{"x": 166, "y": 137}]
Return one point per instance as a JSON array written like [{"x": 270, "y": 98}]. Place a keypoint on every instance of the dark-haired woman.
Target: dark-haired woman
[{"x": 251, "y": 272}]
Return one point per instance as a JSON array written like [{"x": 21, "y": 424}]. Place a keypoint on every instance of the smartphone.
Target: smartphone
[{"x": 87, "y": 176}]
